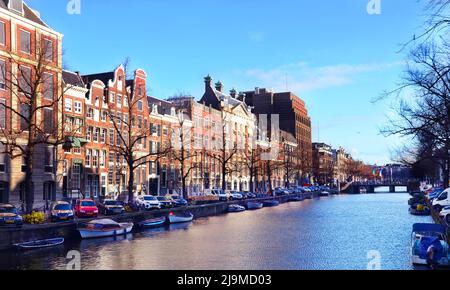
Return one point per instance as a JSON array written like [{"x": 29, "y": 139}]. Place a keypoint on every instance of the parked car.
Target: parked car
[
  {"x": 9, "y": 216},
  {"x": 86, "y": 208},
  {"x": 111, "y": 207},
  {"x": 61, "y": 211},
  {"x": 251, "y": 195},
  {"x": 166, "y": 201},
  {"x": 148, "y": 202},
  {"x": 221, "y": 194},
  {"x": 443, "y": 200},
  {"x": 179, "y": 201},
  {"x": 445, "y": 214},
  {"x": 281, "y": 191},
  {"x": 433, "y": 194},
  {"x": 234, "y": 195}
]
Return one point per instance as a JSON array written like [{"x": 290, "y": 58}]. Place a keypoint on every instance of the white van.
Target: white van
[{"x": 442, "y": 200}]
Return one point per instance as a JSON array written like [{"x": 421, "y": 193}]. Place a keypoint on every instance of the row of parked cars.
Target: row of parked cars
[
  {"x": 87, "y": 208},
  {"x": 279, "y": 191}
]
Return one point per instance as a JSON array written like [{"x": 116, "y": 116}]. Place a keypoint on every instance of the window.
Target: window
[
  {"x": 103, "y": 136},
  {"x": 2, "y": 74},
  {"x": 2, "y": 114},
  {"x": 16, "y": 5},
  {"x": 94, "y": 158},
  {"x": 25, "y": 112},
  {"x": 77, "y": 150},
  {"x": 75, "y": 178},
  {"x": 25, "y": 41},
  {"x": 96, "y": 134},
  {"x": 111, "y": 157},
  {"x": 110, "y": 175},
  {"x": 140, "y": 91},
  {"x": 48, "y": 49},
  {"x": 77, "y": 106},
  {"x": 48, "y": 120},
  {"x": 90, "y": 113},
  {"x": 49, "y": 88},
  {"x": 88, "y": 157},
  {"x": 68, "y": 105},
  {"x": 89, "y": 134},
  {"x": 104, "y": 116},
  {"x": 111, "y": 137},
  {"x": 2, "y": 33},
  {"x": 25, "y": 80},
  {"x": 79, "y": 125},
  {"x": 112, "y": 98},
  {"x": 102, "y": 158},
  {"x": 139, "y": 105},
  {"x": 119, "y": 100},
  {"x": 48, "y": 158}
]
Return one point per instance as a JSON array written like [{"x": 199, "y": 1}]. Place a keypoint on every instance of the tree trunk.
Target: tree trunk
[
  {"x": 224, "y": 176},
  {"x": 130, "y": 183},
  {"x": 28, "y": 183}
]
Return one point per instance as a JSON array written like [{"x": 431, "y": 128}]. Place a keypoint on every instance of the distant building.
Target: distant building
[
  {"x": 323, "y": 163},
  {"x": 293, "y": 117}
]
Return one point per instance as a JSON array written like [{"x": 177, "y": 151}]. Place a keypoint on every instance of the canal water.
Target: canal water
[{"x": 339, "y": 232}]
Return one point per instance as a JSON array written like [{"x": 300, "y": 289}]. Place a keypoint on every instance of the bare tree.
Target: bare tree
[
  {"x": 181, "y": 150},
  {"x": 33, "y": 118},
  {"x": 425, "y": 116},
  {"x": 133, "y": 131}
]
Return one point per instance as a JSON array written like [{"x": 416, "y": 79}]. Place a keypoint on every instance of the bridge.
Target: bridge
[{"x": 370, "y": 187}]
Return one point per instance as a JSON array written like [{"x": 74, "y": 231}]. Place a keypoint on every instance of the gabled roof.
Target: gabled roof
[
  {"x": 104, "y": 77},
  {"x": 72, "y": 78},
  {"x": 28, "y": 13}
]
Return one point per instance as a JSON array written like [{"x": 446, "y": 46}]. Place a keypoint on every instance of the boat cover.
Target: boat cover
[
  {"x": 104, "y": 222},
  {"x": 429, "y": 228},
  {"x": 426, "y": 243}
]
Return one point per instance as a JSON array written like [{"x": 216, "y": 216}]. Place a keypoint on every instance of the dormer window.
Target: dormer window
[{"x": 16, "y": 6}]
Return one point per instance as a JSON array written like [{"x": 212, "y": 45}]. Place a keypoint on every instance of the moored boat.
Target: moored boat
[
  {"x": 296, "y": 198},
  {"x": 429, "y": 245},
  {"x": 180, "y": 217},
  {"x": 39, "y": 244},
  {"x": 153, "y": 223},
  {"x": 252, "y": 205},
  {"x": 104, "y": 228},
  {"x": 420, "y": 209},
  {"x": 271, "y": 203},
  {"x": 235, "y": 208},
  {"x": 324, "y": 193}
]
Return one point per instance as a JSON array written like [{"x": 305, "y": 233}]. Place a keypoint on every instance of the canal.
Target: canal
[{"x": 328, "y": 233}]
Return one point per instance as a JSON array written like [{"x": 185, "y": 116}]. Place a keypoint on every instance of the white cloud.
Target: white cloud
[{"x": 301, "y": 77}]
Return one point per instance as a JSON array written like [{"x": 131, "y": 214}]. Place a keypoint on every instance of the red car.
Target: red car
[{"x": 86, "y": 208}]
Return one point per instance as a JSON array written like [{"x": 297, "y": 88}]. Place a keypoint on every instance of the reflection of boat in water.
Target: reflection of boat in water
[
  {"x": 100, "y": 242},
  {"x": 179, "y": 226},
  {"x": 104, "y": 228}
]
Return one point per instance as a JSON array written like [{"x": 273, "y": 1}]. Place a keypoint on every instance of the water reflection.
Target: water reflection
[{"x": 330, "y": 233}]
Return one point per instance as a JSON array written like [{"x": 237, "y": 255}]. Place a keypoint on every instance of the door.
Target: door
[{"x": 153, "y": 186}]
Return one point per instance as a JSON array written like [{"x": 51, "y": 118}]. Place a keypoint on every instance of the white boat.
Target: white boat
[
  {"x": 235, "y": 208},
  {"x": 254, "y": 205},
  {"x": 104, "y": 228},
  {"x": 180, "y": 217}
]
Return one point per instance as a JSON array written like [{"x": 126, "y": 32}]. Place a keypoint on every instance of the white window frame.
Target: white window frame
[
  {"x": 4, "y": 33},
  {"x": 78, "y": 107},
  {"x": 68, "y": 105},
  {"x": 20, "y": 44}
]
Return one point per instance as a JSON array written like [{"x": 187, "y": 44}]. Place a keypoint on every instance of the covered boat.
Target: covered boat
[
  {"x": 426, "y": 237},
  {"x": 235, "y": 208},
  {"x": 39, "y": 244},
  {"x": 252, "y": 205},
  {"x": 153, "y": 223},
  {"x": 271, "y": 203},
  {"x": 104, "y": 228},
  {"x": 180, "y": 217}
]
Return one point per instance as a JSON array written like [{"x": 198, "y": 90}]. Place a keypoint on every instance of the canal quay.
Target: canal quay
[{"x": 337, "y": 232}]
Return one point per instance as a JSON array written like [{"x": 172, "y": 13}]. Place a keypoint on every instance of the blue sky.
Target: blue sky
[{"x": 331, "y": 53}]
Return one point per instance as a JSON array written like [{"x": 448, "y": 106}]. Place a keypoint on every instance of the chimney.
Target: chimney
[
  {"x": 233, "y": 93},
  {"x": 208, "y": 81},
  {"x": 242, "y": 97},
  {"x": 219, "y": 86},
  {"x": 256, "y": 91}
]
